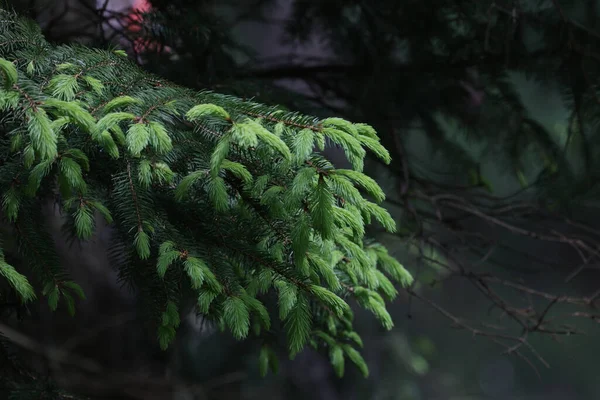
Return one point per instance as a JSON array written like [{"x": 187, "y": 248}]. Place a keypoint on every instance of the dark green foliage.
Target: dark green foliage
[
  {"x": 206, "y": 170},
  {"x": 211, "y": 196}
]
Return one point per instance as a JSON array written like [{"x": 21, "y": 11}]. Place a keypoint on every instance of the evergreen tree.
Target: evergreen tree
[
  {"x": 438, "y": 76},
  {"x": 213, "y": 198}
]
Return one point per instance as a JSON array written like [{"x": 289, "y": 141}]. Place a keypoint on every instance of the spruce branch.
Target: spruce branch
[{"x": 225, "y": 197}]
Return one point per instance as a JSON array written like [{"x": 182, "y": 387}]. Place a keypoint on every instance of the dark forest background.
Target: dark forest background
[{"x": 490, "y": 110}]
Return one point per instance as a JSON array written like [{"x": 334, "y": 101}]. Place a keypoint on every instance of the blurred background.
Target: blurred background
[{"x": 490, "y": 111}]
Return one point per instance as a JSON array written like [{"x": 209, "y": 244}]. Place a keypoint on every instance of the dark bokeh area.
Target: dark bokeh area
[{"x": 490, "y": 111}]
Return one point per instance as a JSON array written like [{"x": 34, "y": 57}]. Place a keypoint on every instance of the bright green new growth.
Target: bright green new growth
[{"x": 212, "y": 197}]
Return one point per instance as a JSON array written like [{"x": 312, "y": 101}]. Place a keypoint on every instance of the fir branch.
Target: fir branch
[{"x": 146, "y": 144}]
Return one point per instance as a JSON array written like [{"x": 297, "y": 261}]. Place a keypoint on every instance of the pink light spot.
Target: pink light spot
[
  {"x": 138, "y": 9},
  {"x": 141, "y": 5}
]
